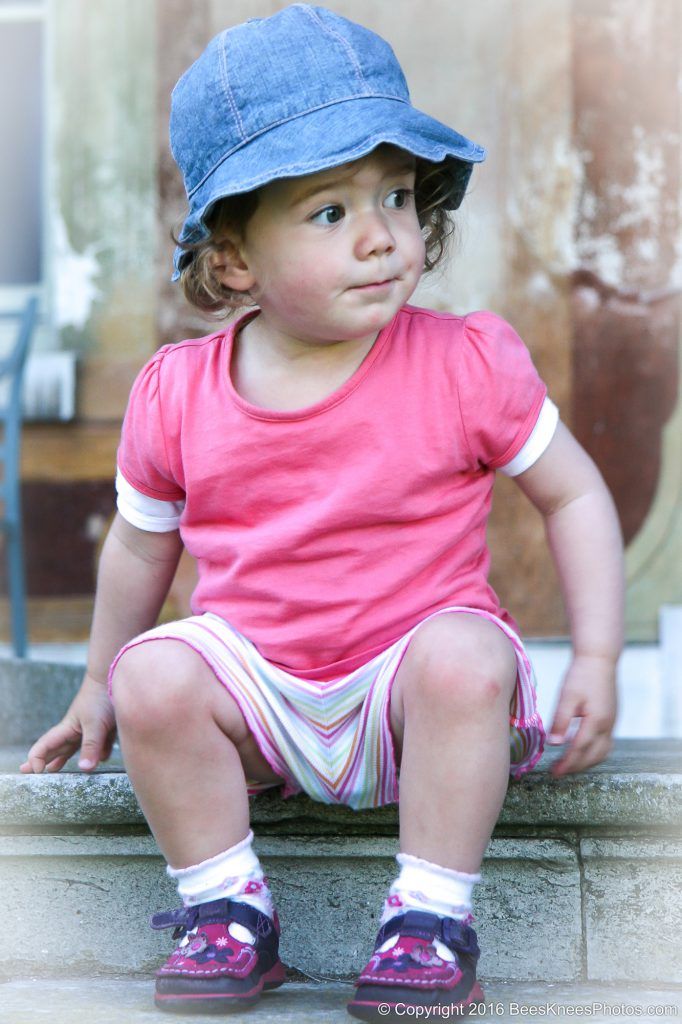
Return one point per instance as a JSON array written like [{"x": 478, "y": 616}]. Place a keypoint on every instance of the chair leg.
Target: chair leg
[{"x": 17, "y": 590}]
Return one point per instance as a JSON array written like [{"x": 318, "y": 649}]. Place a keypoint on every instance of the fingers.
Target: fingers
[
  {"x": 584, "y": 729},
  {"x": 590, "y": 745},
  {"x": 566, "y": 711},
  {"x": 96, "y": 745},
  {"x": 57, "y": 764},
  {"x": 51, "y": 752},
  {"x": 585, "y": 714},
  {"x": 108, "y": 746},
  {"x": 88, "y": 724},
  {"x": 59, "y": 742}
]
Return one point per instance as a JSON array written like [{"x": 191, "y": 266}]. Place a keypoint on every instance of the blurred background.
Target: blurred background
[{"x": 571, "y": 231}]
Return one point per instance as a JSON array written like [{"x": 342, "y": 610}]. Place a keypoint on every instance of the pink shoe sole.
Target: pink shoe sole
[
  {"x": 395, "y": 1009},
  {"x": 213, "y": 995}
]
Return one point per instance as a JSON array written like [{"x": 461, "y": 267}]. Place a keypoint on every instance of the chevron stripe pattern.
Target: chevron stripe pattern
[{"x": 331, "y": 739}]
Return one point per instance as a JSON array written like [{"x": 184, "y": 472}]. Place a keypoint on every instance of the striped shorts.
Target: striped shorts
[{"x": 332, "y": 739}]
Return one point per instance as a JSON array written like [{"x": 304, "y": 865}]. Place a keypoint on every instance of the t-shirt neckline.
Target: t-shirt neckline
[{"x": 334, "y": 398}]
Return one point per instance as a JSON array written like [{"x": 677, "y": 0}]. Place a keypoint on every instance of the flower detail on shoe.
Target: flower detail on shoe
[
  {"x": 406, "y": 963},
  {"x": 426, "y": 955},
  {"x": 195, "y": 945},
  {"x": 210, "y": 949}
]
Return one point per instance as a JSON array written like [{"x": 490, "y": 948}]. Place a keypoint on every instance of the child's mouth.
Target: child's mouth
[{"x": 374, "y": 285}]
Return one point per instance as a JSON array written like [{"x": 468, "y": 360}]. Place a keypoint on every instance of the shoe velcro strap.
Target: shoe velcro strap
[
  {"x": 457, "y": 935},
  {"x": 169, "y": 918},
  {"x": 184, "y": 919},
  {"x": 413, "y": 922},
  {"x": 460, "y": 937}
]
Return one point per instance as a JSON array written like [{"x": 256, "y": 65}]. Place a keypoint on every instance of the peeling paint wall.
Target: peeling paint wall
[
  {"x": 103, "y": 219},
  {"x": 100, "y": 268},
  {"x": 626, "y": 285}
]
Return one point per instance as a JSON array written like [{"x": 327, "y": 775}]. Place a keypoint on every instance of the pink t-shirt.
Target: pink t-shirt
[{"x": 326, "y": 533}]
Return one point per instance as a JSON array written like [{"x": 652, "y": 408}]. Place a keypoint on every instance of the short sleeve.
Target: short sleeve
[
  {"x": 143, "y": 454},
  {"x": 500, "y": 391},
  {"x": 150, "y": 514}
]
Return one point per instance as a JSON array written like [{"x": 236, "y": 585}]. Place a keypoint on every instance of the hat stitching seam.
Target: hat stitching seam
[
  {"x": 299, "y": 168},
  {"x": 200, "y": 230},
  {"x": 226, "y": 86},
  {"x": 345, "y": 44},
  {"x": 276, "y": 124}
]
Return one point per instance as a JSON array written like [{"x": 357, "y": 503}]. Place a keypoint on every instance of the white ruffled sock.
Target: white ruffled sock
[
  {"x": 431, "y": 888},
  {"x": 235, "y": 874}
]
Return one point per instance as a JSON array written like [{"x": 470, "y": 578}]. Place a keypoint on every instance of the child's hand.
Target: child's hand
[
  {"x": 588, "y": 694},
  {"x": 88, "y": 725}
]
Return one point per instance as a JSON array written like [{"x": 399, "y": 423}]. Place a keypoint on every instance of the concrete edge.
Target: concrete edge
[{"x": 644, "y": 800}]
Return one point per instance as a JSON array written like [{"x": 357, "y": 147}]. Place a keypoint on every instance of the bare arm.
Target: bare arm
[
  {"x": 585, "y": 542},
  {"x": 135, "y": 571}
]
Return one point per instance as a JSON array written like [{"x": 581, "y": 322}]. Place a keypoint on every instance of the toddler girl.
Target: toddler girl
[{"x": 328, "y": 460}]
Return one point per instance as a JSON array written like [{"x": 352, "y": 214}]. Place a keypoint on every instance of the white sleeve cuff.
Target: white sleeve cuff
[
  {"x": 542, "y": 434},
  {"x": 144, "y": 512}
]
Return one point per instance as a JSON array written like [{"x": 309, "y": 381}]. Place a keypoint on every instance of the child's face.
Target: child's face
[{"x": 332, "y": 256}]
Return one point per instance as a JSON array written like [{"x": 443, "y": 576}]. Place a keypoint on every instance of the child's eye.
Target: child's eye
[
  {"x": 329, "y": 215},
  {"x": 398, "y": 199}
]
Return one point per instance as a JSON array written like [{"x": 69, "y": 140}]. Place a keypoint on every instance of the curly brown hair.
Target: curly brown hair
[{"x": 439, "y": 188}]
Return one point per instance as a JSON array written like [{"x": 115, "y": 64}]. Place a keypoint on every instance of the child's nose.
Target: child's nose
[{"x": 374, "y": 236}]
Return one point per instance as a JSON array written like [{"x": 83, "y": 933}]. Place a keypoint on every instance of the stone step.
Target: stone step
[
  {"x": 638, "y": 787},
  {"x": 125, "y": 1000},
  {"x": 582, "y": 879}
]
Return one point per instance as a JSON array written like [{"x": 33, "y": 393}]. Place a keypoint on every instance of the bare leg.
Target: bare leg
[
  {"x": 186, "y": 748},
  {"x": 450, "y": 720}
]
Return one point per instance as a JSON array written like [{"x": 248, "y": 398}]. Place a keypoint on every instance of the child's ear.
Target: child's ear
[{"x": 231, "y": 269}]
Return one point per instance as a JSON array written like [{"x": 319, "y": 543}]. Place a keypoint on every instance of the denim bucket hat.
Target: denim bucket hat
[{"x": 298, "y": 92}]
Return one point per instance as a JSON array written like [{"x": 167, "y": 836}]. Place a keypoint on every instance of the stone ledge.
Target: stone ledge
[
  {"x": 593, "y": 897},
  {"x": 580, "y": 880},
  {"x": 638, "y": 787}
]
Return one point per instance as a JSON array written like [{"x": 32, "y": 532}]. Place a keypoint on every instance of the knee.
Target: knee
[
  {"x": 154, "y": 686},
  {"x": 459, "y": 665}
]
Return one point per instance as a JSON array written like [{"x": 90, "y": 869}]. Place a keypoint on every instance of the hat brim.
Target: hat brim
[{"x": 315, "y": 141}]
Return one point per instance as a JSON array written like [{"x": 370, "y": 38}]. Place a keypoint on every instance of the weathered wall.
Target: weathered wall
[
  {"x": 626, "y": 284},
  {"x": 571, "y": 229},
  {"x": 101, "y": 245}
]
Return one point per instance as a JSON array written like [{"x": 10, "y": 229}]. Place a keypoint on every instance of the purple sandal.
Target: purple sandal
[
  {"x": 228, "y": 954},
  {"x": 411, "y": 973}
]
